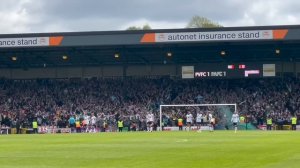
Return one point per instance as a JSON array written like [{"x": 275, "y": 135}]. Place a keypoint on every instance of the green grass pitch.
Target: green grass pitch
[{"x": 219, "y": 149}]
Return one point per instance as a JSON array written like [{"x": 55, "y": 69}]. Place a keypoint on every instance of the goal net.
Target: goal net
[{"x": 221, "y": 112}]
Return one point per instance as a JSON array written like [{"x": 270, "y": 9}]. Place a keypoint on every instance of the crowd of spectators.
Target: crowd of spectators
[{"x": 54, "y": 101}]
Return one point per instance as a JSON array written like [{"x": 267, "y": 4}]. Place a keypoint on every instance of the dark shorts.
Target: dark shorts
[
  {"x": 199, "y": 123},
  {"x": 235, "y": 124},
  {"x": 189, "y": 123},
  {"x": 149, "y": 123}
]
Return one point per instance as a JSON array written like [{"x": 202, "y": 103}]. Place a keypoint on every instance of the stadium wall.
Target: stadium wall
[
  {"x": 282, "y": 68},
  {"x": 86, "y": 72}
]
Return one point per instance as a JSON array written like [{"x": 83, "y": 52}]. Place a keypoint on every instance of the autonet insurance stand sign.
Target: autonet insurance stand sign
[
  {"x": 215, "y": 36},
  {"x": 30, "y": 41},
  {"x": 143, "y": 37}
]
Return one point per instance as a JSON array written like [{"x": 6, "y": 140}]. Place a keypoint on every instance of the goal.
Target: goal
[{"x": 222, "y": 111}]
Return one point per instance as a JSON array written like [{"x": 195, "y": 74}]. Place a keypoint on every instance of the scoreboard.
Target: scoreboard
[{"x": 249, "y": 70}]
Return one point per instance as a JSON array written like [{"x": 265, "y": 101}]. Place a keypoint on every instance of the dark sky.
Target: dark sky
[{"x": 26, "y": 16}]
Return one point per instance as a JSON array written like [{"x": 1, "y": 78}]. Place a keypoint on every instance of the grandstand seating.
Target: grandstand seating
[{"x": 53, "y": 101}]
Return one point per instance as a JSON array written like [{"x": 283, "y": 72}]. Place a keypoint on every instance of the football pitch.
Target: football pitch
[{"x": 245, "y": 149}]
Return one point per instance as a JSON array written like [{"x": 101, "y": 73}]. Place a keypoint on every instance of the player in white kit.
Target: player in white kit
[
  {"x": 93, "y": 123},
  {"x": 189, "y": 121},
  {"x": 199, "y": 121},
  {"x": 150, "y": 121},
  {"x": 211, "y": 121},
  {"x": 235, "y": 119},
  {"x": 86, "y": 122}
]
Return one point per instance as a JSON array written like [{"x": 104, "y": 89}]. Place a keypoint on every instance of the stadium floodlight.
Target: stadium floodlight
[
  {"x": 169, "y": 54},
  {"x": 64, "y": 57},
  {"x": 14, "y": 58},
  {"x": 223, "y": 53},
  {"x": 191, "y": 105},
  {"x": 117, "y": 55}
]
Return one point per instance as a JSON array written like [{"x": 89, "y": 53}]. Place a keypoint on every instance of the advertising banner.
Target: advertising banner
[
  {"x": 30, "y": 42},
  {"x": 187, "y": 72},
  {"x": 269, "y": 70}
]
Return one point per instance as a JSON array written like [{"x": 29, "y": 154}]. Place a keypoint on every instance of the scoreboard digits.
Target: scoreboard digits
[
  {"x": 221, "y": 70},
  {"x": 250, "y": 70},
  {"x": 211, "y": 74}
]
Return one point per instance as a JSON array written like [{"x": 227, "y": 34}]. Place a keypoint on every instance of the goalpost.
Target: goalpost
[{"x": 190, "y": 105}]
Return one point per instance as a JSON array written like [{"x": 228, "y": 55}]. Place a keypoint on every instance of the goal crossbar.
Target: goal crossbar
[{"x": 190, "y": 105}]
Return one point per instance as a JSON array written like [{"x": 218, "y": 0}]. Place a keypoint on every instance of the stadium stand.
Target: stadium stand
[
  {"x": 126, "y": 74},
  {"x": 53, "y": 101}
]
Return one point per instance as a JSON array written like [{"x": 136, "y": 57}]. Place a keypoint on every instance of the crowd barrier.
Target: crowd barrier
[
  {"x": 193, "y": 128},
  {"x": 5, "y": 131},
  {"x": 41, "y": 130},
  {"x": 44, "y": 130},
  {"x": 49, "y": 130},
  {"x": 276, "y": 127}
]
